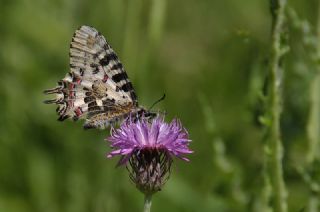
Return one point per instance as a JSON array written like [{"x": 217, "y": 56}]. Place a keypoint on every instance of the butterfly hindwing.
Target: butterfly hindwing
[{"x": 97, "y": 87}]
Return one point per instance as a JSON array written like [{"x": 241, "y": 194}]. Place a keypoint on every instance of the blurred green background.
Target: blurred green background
[{"x": 210, "y": 58}]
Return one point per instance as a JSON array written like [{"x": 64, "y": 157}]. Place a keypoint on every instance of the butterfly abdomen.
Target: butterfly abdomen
[{"x": 109, "y": 117}]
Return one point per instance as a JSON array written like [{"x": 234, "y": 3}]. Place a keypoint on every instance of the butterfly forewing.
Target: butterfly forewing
[{"x": 97, "y": 87}]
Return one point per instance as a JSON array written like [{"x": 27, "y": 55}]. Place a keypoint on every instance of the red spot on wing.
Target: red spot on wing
[
  {"x": 76, "y": 80},
  {"x": 78, "y": 111},
  {"x": 71, "y": 91},
  {"x": 71, "y": 86},
  {"x": 105, "y": 78}
]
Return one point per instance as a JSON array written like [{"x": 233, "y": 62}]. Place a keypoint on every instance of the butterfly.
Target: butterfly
[{"x": 97, "y": 87}]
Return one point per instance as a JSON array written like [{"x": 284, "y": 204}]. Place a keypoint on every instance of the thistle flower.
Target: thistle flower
[{"x": 148, "y": 148}]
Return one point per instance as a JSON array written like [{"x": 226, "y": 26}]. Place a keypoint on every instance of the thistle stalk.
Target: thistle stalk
[
  {"x": 275, "y": 169},
  {"x": 147, "y": 202}
]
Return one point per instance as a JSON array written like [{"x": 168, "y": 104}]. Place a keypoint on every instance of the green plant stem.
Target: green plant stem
[
  {"x": 156, "y": 23},
  {"x": 313, "y": 127},
  {"x": 132, "y": 35},
  {"x": 313, "y": 204},
  {"x": 314, "y": 119},
  {"x": 147, "y": 202},
  {"x": 275, "y": 143}
]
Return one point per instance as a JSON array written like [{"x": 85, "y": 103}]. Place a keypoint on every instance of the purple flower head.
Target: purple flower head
[{"x": 148, "y": 148}]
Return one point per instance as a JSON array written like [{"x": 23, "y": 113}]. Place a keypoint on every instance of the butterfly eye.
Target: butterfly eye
[{"x": 150, "y": 115}]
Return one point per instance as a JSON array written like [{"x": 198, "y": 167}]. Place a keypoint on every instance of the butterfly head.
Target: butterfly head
[{"x": 146, "y": 114}]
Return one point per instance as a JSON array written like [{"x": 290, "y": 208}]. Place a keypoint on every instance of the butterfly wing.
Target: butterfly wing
[{"x": 97, "y": 87}]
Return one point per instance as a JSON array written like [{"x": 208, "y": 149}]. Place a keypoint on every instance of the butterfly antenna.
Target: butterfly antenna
[{"x": 159, "y": 100}]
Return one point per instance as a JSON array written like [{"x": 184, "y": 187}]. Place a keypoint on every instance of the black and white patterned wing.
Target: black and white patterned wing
[
  {"x": 92, "y": 57},
  {"x": 97, "y": 87}
]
